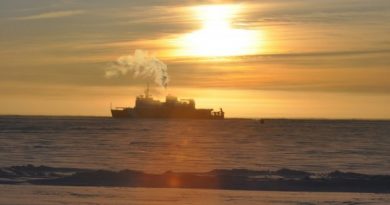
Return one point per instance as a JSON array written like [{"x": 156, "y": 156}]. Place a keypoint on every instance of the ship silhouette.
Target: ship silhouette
[{"x": 147, "y": 107}]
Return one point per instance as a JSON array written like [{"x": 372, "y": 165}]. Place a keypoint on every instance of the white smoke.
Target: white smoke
[{"x": 140, "y": 65}]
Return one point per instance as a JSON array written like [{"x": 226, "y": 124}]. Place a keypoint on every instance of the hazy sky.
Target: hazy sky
[{"x": 279, "y": 58}]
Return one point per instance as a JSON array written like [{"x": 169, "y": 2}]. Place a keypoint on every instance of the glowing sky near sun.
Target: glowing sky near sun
[{"x": 217, "y": 37}]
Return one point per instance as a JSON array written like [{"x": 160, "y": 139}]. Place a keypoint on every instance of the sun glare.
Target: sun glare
[{"x": 217, "y": 37}]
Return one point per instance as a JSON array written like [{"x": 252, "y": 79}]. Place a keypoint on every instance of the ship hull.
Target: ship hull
[{"x": 163, "y": 114}]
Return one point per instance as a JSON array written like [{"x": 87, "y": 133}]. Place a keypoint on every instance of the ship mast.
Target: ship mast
[{"x": 147, "y": 91}]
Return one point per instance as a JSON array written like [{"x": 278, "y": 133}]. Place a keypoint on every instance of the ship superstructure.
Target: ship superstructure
[{"x": 147, "y": 107}]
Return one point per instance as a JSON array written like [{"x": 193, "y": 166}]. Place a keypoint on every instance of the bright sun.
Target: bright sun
[{"x": 217, "y": 37}]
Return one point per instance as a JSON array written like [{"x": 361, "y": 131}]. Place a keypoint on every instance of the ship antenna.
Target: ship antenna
[{"x": 147, "y": 91}]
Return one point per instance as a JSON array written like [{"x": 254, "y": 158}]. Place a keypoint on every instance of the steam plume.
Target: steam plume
[{"x": 140, "y": 65}]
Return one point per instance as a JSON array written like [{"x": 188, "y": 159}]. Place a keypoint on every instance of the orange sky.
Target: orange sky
[{"x": 295, "y": 59}]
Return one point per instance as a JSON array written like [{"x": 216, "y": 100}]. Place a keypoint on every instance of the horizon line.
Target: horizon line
[{"x": 227, "y": 118}]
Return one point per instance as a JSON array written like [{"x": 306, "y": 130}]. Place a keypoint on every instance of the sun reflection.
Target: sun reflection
[{"x": 217, "y": 37}]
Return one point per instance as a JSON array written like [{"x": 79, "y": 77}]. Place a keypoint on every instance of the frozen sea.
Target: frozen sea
[{"x": 157, "y": 146}]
